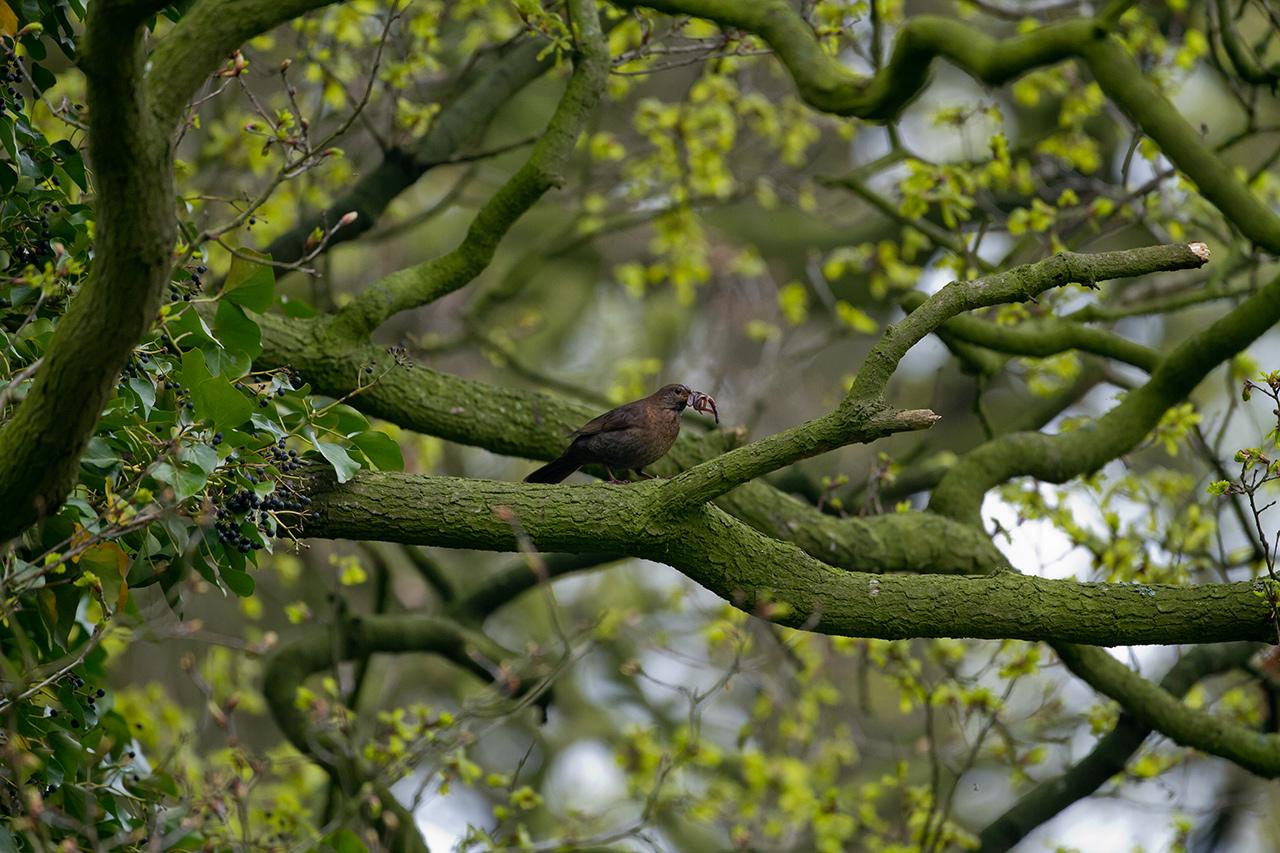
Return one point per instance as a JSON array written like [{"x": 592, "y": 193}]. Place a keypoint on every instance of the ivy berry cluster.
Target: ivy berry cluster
[{"x": 11, "y": 75}]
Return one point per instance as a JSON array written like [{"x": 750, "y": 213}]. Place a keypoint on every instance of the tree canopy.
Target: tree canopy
[{"x": 293, "y": 293}]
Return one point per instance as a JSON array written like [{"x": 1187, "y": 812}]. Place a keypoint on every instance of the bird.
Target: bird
[{"x": 630, "y": 437}]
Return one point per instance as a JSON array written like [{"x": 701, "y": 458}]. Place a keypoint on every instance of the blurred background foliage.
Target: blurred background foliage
[{"x": 712, "y": 230}]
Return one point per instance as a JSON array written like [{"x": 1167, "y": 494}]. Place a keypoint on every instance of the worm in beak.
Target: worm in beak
[{"x": 703, "y": 403}]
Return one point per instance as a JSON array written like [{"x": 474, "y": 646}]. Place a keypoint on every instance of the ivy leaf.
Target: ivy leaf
[
  {"x": 98, "y": 453},
  {"x": 72, "y": 162},
  {"x": 236, "y": 331},
  {"x": 201, "y": 456},
  {"x": 381, "y": 450},
  {"x": 241, "y": 583},
  {"x": 343, "y": 419},
  {"x": 345, "y": 841},
  {"x": 111, "y": 564},
  {"x": 213, "y": 396},
  {"x": 250, "y": 284},
  {"x": 342, "y": 463},
  {"x": 146, "y": 394},
  {"x": 186, "y": 479}
]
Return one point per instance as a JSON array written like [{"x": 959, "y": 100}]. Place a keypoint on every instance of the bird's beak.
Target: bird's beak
[{"x": 703, "y": 403}]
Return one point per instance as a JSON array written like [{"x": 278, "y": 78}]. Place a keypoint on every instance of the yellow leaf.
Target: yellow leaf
[{"x": 8, "y": 20}]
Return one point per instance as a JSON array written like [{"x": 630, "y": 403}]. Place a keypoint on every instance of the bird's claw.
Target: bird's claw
[{"x": 703, "y": 403}]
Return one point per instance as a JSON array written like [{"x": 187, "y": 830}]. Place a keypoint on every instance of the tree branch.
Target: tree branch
[
  {"x": 1058, "y": 458},
  {"x": 507, "y": 584},
  {"x": 1110, "y": 755},
  {"x": 424, "y": 283},
  {"x": 775, "y": 579},
  {"x": 1018, "y": 284},
  {"x": 827, "y": 85},
  {"x": 1242, "y": 57},
  {"x": 199, "y": 43},
  {"x": 40, "y": 446},
  {"x": 460, "y": 121},
  {"x": 1043, "y": 337},
  {"x": 533, "y": 424},
  {"x": 1157, "y": 708},
  {"x": 861, "y": 417}
]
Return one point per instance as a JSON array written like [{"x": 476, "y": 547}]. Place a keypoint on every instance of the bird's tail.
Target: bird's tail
[{"x": 555, "y": 470}]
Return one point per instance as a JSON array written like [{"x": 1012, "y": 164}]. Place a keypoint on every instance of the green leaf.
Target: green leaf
[
  {"x": 236, "y": 331},
  {"x": 241, "y": 583},
  {"x": 343, "y": 419},
  {"x": 342, "y": 463},
  {"x": 201, "y": 456},
  {"x": 8, "y": 139},
  {"x": 146, "y": 394},
  {"x": 250, "y": 284},
  {"x": 381, "y": 449},
  {"x": 344, "y": 841},
  {"x": 72, "y": 163},
  {"x": 213, "y": 396},
  {"x": 188, "y": 481},
  {"x": 189, "y": 329},
  {"x": 99, "y": 453}
]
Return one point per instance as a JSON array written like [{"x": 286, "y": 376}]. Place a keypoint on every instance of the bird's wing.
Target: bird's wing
[{"x": 623, "y": 417}]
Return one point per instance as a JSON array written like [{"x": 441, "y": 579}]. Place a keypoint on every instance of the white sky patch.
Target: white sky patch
[
  {"x": 443, "y": 820},
  {"x": 584, "y": 778}
]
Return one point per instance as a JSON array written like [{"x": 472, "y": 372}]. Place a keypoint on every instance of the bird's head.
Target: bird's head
[
  {"x": 673, "y": 396},
  {"x": 678, "y": 397}
]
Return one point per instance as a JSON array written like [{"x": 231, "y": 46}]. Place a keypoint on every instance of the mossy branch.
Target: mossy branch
[
  {"x": 40, "y": 446},
  {"x": 776, "y": 579},
  {"x": 1157, "y": 708},
  {"x": 427, "y": 282},
  {"x": 199, "y": 43},
  {"x": 533, "y": 424},
  {"x": 828, "y": 86},
  {"x": 1110, "y": 755},
  {"x": 862, "y": 417},
  {"x": 1044, "y": 336},
  {"x": 461, "y": 120},
  {"x": 1058, "y": 458}
]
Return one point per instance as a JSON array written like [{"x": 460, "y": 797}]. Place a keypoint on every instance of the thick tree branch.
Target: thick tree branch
[
  {"x": 533, "y": 424},
  {"x": 1110, "y": 755},
  {"x": 1058, "y": 458},
  {"x": 40, "y": 446},
  {"x": 776, "y": 579},
  {"x": 1157, "y": 708},
  {"x": 424, "y": 283}
]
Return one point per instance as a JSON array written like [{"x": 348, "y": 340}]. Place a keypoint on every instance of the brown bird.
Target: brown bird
[{"x": 631, "y": 436}]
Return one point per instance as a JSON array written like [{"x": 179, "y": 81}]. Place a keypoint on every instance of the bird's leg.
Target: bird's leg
[
  {"x": 613, "y": 478},
  {"x": 643, "y": 475}
]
